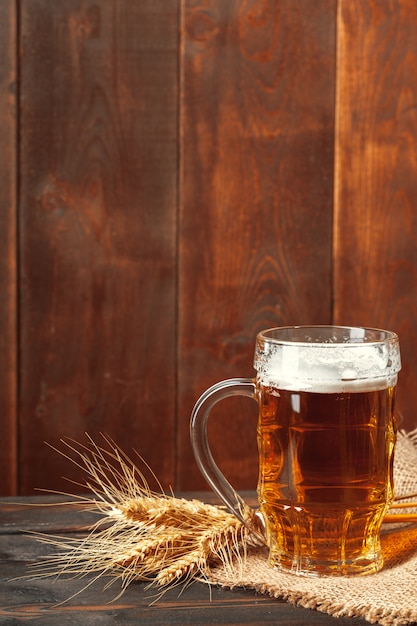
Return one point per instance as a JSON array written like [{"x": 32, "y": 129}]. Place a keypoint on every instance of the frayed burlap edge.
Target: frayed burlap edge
[{"x": 387, "y": 598}]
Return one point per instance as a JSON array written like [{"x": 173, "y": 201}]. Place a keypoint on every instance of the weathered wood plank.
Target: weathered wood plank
[
  {"x": 197, "y": 605},
  {"x": 257, "y": 199},
  {"x": 72, "y": 601},
  {"x": 55, "y": 514},
  {"x": 376, "y": 177},
  {"x": 98, "y": 229},
  {"x": 8, "y": 252}
]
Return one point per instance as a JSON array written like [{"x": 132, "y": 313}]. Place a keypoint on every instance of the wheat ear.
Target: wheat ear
[{"x": 141, "y": 534}]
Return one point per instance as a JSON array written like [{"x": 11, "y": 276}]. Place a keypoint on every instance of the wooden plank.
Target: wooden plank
[
  {"x": 256, "y": 199},
  {"x": 197, "y": 604},
  {"x": 8, "y": 268},
  {"x": 45, "y": 514},
  {"x": 376, "y": 177},
  {"x": 70, "y": 601},
  {"x": 98, "y": 229}
]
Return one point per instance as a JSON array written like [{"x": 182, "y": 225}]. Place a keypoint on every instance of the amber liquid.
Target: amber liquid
[{"x": 325, "y": 479}]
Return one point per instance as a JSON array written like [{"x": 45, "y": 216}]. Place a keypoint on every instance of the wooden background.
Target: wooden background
[{"x": 176, "y": 176}]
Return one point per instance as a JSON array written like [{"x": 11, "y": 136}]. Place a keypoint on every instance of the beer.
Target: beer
[
  {"x": 325, "y": 475},
  {"x": 326, "y": 437}
]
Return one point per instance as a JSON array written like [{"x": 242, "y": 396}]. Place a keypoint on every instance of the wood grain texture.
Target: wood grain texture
[
  {"x": 177, "y": 193},
  {"x": 98, "y": 229},
  {"x": 8, "y": 251},
  {"x": 257, "y": 139},
  {"x": 375, "y": 256},
  {"x": 49, "y": 601}
]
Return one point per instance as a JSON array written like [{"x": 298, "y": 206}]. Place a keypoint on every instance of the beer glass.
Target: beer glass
[{"x": 326, "y": 435}]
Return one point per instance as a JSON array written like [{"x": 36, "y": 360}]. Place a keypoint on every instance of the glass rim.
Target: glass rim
[{"x": 386, "y": 336}]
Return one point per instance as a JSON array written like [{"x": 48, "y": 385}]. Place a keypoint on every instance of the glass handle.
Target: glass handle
[{"x": 202, "y": 452}]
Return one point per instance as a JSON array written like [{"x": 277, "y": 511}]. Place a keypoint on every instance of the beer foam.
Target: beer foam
[
  {"x": 338, "y": 386},
  {"x": 327, "y": 367}
]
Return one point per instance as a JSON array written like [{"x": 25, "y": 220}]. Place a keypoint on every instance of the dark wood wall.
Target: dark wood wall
[{"x": 176, "y": 176}]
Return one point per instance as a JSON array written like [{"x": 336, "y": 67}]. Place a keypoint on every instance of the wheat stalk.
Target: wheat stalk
[
  {"x": 404, "y": 518},
  {"x": 141, "y": 534}
]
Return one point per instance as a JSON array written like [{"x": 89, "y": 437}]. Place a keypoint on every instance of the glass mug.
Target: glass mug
[{"x": 326, "y": 437}]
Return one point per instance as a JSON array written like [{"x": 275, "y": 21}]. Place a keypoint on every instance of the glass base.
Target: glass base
[
  {"x": 324, "y": 541},
  {"x": 315, "y": 567}
]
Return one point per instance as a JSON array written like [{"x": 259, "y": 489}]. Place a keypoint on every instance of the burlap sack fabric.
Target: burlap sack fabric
[{"x": 387, "y": 598}]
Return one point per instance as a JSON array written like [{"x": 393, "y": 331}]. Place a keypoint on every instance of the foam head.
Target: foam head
[{"x": 327, "y": 358}]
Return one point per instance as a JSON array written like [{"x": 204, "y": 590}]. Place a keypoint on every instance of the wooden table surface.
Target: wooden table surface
[{"x": 45, "y": 601}]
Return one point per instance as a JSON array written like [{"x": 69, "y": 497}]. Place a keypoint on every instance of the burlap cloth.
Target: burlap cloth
[{"x": 387, "y": 598}]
